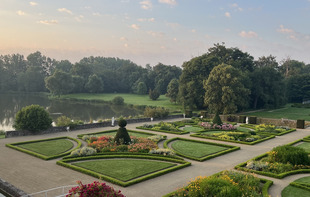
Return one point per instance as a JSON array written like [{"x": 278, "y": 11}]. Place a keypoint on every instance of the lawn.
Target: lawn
[
  {"x": 288, "y": 112},
  {"x": 305, "y": 145},
  {"x": 134, "y": 99},
  {"x": 49, "y": 148},
  {"x": 134, "y": 134},
  {"x": 195, "y": 149},
  {"x": 294, "y": 189},
  {"x": 2, "y": 136},
  {"x": 124, "y": 169},
  {"x": 192, "y": 129}
]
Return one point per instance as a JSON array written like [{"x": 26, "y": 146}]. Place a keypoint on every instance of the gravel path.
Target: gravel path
[{"x": 32, "y": 174}]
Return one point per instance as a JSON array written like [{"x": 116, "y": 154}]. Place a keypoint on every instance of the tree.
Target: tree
[
  {"x": 269, "y": 61},
  {"x": 141, "y": 88},
  {"x": 298, "y": 88},
  {"x": 59, "y": 83},
  {"x": 94, "y": 84},
  {"x": 173, "y": 90},
  {"x": 291, "y": 67},
  {"x": 195, "y": 71},
  {"x": 32, "y": 80},
  {"x": 32, "y": 118},
  {"x": 154, "y": 94},
  {"x": 224, "y": 91}
]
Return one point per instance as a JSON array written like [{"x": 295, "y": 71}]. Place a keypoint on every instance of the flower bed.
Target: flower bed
[
  {"x": 226, "y": 183},
  {"x": 269, "y": 129},
  {"x": 48, "y": 148},
  {"x": 113, "y": 133},
  {"x": 198, "y": 150},
  {"x": 165, "y": 127},
  {"x": 147, "y": 169},
  {"x": 278, "y": 163}
]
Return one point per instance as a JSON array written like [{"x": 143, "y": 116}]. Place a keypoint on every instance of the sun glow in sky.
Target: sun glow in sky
[{"x": 152, "y": 31}]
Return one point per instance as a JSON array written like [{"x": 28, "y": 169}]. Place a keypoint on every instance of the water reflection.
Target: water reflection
[{"x": 10, "y": 104}]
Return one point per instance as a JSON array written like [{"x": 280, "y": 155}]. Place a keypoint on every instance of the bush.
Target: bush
[
  {"x": 219, "y": 188},
  {"x": 188, "y": 113},
  {"x": 118, "y": 100},
  {"x": 289, "y": 154},
  {"x": 154, "y": 94},
  {"x": 63, "y": 121},
  {"x": 122, "y": 123},
  {"x": 122, "y": 136},
  {"x": 93, "y": 189},
  {"x": 231, "y": 118},
  {"x": 157, "y": 112},
  {"x": 85, "y": 151},
  {"x": 33, "y": 118},
  {"x": 217, "y": 119}
]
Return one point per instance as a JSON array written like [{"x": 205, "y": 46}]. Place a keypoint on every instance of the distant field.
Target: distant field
[
  {"x": 134, "y": 99},
  {"x": 288, "y": 112}
]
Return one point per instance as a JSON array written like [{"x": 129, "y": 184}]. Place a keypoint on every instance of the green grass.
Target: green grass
[
  {"x": 243, "y": 129},
  {"x": 305, "y": 145},
  {"x": 124, "y": 169},
  {"x": 293, "y": 191},
  {"x": 192, "y": 129},
  {"x": 49, "y": 148},
  {"x": 195, "y": 149},
  {"x": 288, "y": 112},
  {"x": 134, "y": 99},
  {"x": 2, "y": 136}
]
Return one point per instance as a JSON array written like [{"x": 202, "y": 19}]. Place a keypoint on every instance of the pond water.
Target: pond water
[{"x": 11, "y": 103}]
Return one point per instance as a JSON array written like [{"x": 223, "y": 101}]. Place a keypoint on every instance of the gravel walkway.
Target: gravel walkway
[{"x": 32, "y": 174}]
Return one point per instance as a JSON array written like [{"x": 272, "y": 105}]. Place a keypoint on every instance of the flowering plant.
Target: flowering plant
[
  {"x": 94, "y": 189},
  {"x": 224, "y": 126}
]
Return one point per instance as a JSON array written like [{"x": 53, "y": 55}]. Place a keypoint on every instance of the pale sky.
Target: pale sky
[{"x": 152, "y": 31}]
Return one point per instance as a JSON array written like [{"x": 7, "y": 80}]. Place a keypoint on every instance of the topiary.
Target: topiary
[
  {"x": 33, "y": 118},
  {"x": 122, "y": 136},
  {"x": 217, "y": 119}
]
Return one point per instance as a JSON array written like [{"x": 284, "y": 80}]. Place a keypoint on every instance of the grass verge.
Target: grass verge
[
  {"x": 198, "y": 150},
  {"x": 131, "y": 179},
  {"x": 48, "y": 148}
]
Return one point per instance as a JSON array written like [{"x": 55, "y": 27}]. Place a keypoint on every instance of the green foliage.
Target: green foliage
[
  {"x": 59, "y": 83},
  {"x": 33, "y": 118},
  {"x": 242, "y": 119},
  {"x": 94, "y": 84},
  {"x": 298, "y": 88},
  {"x": 118, "y": 100},
  {"x": 85, "y": 151},
  {"x": 218, "y": 187},
  {"x": 224, "y": 90},
  {"x": 63, "y": 121},
  {"x": 122, "y": 122},
  {"x": 122, "y": 136},
  {"x": 141, "y": 88},
  {"x": 156, "y": 112},
  {"x": 289, "y": 154},
  {"x": 173, "y": 90},
  {"x": 217, "y": 119},
  {"x": 154, "y": 94}
]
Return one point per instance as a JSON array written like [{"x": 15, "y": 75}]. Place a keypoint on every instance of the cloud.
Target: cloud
[
  {"x": 48, "y": 22},
  {"x": 156, "y": 34},
  {"x": 193, "y": 30},
  {"x": 32, "y": 3},
  {"x": 96, "y": 14},
  {"x": 65, "y": 10},
  {"x": 20, "y": 13},
  {"x": 170, "y": 2},
  {"x": 146, "y": 19},
  {"x": 125, "y": 45},
  {"x": 146, "y": 5},
  {"x": 249, "y": 34},
  {"x": 123, "y": 39},
  {"x": 227, "y": 14},
  {"x": 135, "y": 26},
  {"x": 236, "y": 6},
  {"x": 79, "y": 18},
  {"x": 285, "y": 30}
]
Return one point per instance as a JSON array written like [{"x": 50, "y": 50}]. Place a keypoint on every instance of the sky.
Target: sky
[{"x": 152, "y": 31}]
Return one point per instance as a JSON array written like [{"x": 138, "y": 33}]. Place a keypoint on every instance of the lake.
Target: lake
[{"x": 11, "y": 103}]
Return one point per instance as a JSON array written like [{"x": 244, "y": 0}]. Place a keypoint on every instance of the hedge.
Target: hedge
[
  {"x": 301, "y": 185},
  {"x": 114, "y": 130},
  {"x": 164, "y": 131},
  {"x": 13, "y": 145},
  {"x": 234, "y": 141},
  {"x": 65, "y": 163},
  {"x": 270, "y": 174},
  {"x": 251, "y": 126},
  {"x": 232, "y": 148}
]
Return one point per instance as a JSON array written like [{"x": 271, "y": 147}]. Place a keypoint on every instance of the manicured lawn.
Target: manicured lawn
[
  {"x": 195, "y": 149},
  {"x": 243, "y": 129},
  {"x": 49, "y": 148},
  {"x": 192, "y": 129},
  {"x": 305, "y": 145},
  {"x": 134, "y": 99},
  {"x": 293, "y": 191},
  {"x": 288, "y": 112},
  {"x": 124, "y": 169},
  {"x": 2, "y": 136}
]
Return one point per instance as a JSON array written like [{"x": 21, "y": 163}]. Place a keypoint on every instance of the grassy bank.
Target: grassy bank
[
  {"x": 287, "y": 112},
  {"x": 133, "y": 99}
]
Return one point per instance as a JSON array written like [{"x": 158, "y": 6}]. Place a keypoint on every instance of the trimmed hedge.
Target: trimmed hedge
[
  {"x": 232, "y": 148},
  {"x": 301, "y": 185},
  {"x": 13, "y": 145},
  {"x": 65, "y": 163},
  {"x": 164, "y": 131},
  {"x": 114, "y": 130},
  {"x": 242, "y": 167},
  {"x": 234, "y": 141},
  {"x": 267, "y": 184},
  {"x": 251, "y": 126}
]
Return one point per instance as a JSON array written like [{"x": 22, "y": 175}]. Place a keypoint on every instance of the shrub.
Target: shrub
[
  {"x": 162, "y": 151},
  {"x": 122, "y": 123},
  {"x": 242, "y": 119},
  {"x": 85, "y": 151},
  {"x": 289, "y": 154},
  {"x": 33, "y": 118},
  {"x": 157, "y": 112},
  {"x": 118, "y": 100},
  {"x": 154, "y": 94},
  {"x": 188, "y": 113},
  {"x": 231, "y": 118},
  {"x": 217, "y": 119},
  {"x": 219, "y": 188},
  {"x": 63, "y": 121},
  {"x": 122, "y": 136},
  {"x": 94, "y": 189}
]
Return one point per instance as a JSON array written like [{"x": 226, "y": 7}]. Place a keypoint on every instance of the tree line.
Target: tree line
[{"x": 224, "y": 80}]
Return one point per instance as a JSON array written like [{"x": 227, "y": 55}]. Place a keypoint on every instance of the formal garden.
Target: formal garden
[{"x": 299, "y": 187}]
